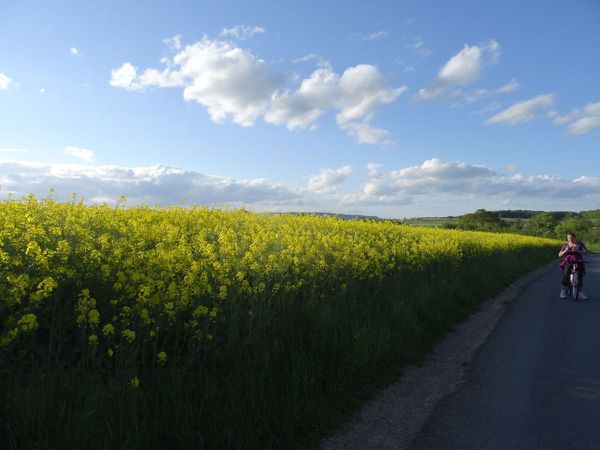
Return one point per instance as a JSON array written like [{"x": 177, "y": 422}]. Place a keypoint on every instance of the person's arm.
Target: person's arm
[
  {"x": 564, "y": 250},
  {"x": 583, "y": 249}
]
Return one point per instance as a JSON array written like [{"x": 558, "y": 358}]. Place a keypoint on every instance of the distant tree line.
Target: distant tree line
[{"x": 556, "y": 224}]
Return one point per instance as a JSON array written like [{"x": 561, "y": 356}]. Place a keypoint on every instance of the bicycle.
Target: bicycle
[{"x": 577, "y": 270}]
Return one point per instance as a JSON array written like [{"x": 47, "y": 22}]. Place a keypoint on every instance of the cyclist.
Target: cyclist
[{"x": 572, "y": 251}]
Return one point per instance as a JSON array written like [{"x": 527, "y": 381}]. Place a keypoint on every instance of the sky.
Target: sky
[{"x": 388, "y": 108}]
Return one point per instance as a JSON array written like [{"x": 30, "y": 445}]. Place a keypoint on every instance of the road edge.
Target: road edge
[{"x": 384, "y": 422}]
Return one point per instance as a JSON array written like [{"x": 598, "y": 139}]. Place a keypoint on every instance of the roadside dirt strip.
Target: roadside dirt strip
[{"x": 393, "y": 418}]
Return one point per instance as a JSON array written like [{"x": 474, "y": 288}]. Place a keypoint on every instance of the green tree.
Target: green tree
[
  {"x": 575, "y": 224},
  {"x": 543, "y": 225},
  {"x": 480, "y": 220}
]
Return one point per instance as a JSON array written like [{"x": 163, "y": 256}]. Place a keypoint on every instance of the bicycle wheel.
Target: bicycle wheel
[{"x": 575, "y": 285}]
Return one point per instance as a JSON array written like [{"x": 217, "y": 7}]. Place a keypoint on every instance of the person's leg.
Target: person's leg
[{"x": 582, "y": 296}]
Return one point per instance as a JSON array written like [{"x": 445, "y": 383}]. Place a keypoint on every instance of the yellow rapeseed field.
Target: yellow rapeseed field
[
  {"x": 131, "y": 278},
  {"x": 230, "y": 329}
]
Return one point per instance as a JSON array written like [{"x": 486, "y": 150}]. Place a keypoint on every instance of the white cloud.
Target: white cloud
[
  {"x": 5, "y": 81},
  {"x": 524, "y": 111},
  {"x": 73, "y": 51},
  {"x": 364, "y": 133},
  {"x": 302, "y": 108},
  {"x": 163, "y": 79},
  {"x": 580, "y": 120},
  {"x": 124, "y": 77},
  {"x": 174, "y": 43},
  {"x": 490, "y": 107},
  {"x": 460, "y": 97},
  {"x": 434, "y": 187},
  {"x": 370, "y": 37},
  {"x": 154, "y": 184},
  {"x": 509, "y": 87},
  {"x": 376, "y": 35},
  {"x": 242, "y": 32},
  {"x": 584, "y": 125},
  {"x": 327, "y": 180},
  {"x": 362, "y": 90},
  {"x": 320, "y": 61},
  {"x": 356, "y": 94},
  {"x": 462, "y": 69},
  {"x": 230, "y": 82},
  {"x": 417, "y": 46},
  {"x": 42, "y": 91},
  {"x": 447, "y": 181},
  {"x": 234, "y": 85},
  {"x": 81, "y": 153}
]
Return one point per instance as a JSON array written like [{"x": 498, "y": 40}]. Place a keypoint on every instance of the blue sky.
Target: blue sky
[{"x": 397, "y": 109}]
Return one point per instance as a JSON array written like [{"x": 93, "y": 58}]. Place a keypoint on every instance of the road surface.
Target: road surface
[{"x": 535, "y": 384}]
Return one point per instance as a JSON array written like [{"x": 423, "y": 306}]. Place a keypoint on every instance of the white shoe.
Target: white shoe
[
  {"x": 582, "y": 296},
  {"x": 563, "y": 294}
]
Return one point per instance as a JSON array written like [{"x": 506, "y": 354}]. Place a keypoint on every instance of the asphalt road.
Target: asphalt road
[{"x": 535, "y": 384}]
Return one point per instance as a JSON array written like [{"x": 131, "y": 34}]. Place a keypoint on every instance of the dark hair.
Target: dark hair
[{"x": 571, "y": 233}]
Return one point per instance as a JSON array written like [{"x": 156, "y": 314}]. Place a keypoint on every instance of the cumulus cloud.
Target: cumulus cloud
[
  {"x": 441, "y": 187},
  {"x": 242, "y": 32},
  {"x": 230, "y": 82},
  {"x": 73, "y": 51},
  {"x": 234, "y": 85},
  {"x": 580, "y": 120},
  {"x": 523, "y": 112},
  {"x": 328, "y": 180},
  {"x": 81, "y": 153},
  {"x": 5, "y": 81},
  {"x": 462, "y": 69},
  {"x": 435, "y": 179},
  {"x": 124, "y": 76},
  {"x": 356, "y": 94},
  {"x": 158, "y": 184}
]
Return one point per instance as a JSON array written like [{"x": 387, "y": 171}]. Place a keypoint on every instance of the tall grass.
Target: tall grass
[{"x": 274, "y": 328}]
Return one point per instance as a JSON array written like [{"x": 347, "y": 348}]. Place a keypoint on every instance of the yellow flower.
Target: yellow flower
[
  {"x": 201, "y": 311},
  {"x": 161, "y": 357},
  {"x": 93, "y": 339},
  {"x": 110, "y": 352},
  {"x": 134, "y": 382},
  {"x": 93, "y": 317},
  {"x": 108, "y": 329},
  {"x": 28, "y": 323},
  {"x": 129, "y": 335}
]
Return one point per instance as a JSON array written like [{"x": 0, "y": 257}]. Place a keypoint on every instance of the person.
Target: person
[{"x": 572, "y": 251}]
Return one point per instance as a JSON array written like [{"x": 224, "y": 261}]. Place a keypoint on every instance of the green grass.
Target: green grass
[
  {"x": 595, "y": 248},
  {"x": 432, "y": 221}
]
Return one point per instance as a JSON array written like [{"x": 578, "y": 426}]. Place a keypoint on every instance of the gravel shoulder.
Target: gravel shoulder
[{"x": 393, "y": 418}]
